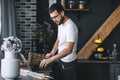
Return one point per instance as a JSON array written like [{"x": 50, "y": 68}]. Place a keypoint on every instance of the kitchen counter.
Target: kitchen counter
[
  {"x": 98, "y": 69},
  {"x": 98, "y": 61},
  {"x": 26, "y": 74}
]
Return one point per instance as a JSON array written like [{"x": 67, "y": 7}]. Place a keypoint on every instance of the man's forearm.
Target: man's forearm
[
  {"x": 55, "y": 47},
  {"x": 64, "y": 52},
  {"x": 60, "y": 55}
]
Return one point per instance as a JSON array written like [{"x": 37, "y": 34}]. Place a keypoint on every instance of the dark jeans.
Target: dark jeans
[{"x": 64, "y": 70}]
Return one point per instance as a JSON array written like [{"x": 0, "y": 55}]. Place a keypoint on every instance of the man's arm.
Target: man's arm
[
  {"x": 54, "y": 49},
  {"x": 60, "y": 55},
  {"x": 64, "y": 52}
]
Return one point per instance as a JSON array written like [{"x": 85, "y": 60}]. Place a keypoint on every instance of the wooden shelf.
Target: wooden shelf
[{"x": 76, "y": 9}]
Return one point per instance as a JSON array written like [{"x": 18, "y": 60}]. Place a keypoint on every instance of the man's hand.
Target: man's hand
[
  {"x": 48, "y": 55},
  {"x": 45, "y": 62}
]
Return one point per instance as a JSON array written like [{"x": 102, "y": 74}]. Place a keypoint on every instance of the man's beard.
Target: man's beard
[{"x": 61, "y": 21}]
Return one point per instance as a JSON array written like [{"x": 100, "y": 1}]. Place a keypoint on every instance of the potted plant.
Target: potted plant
[{"x": 43, "y": 34}]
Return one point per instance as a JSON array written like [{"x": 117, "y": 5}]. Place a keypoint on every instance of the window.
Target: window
[{"x": 0, "y": 17}]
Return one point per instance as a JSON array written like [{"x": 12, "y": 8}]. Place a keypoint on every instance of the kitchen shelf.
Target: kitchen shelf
[
  {"x": 76, "y": 9},
  {"x": 65, "y": 6}
]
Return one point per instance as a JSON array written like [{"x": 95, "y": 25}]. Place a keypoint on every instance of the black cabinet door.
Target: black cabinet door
[{"x": 114, "y": 71}]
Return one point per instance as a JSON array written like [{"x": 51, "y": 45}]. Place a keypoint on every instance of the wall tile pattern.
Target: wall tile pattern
[{"x": 26, "y": 22}]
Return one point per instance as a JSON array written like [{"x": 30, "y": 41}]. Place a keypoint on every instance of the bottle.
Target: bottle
[
  {"x": 114, "y": 51},
  {"x": 108, "y": 55}
]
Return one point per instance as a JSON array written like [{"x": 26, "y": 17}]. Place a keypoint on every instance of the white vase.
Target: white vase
[{"x": 10, "y": 66}]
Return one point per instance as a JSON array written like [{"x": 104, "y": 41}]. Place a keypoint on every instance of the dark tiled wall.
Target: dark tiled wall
[{"x": 26, "y": 22}]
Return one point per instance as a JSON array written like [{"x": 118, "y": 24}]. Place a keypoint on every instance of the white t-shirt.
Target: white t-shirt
[{"x": 68, "y": 32}]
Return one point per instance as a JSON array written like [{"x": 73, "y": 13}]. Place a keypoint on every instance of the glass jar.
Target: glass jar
[
  {"x": 81, "y": 4},
  {"x": 71, "y": 4}
]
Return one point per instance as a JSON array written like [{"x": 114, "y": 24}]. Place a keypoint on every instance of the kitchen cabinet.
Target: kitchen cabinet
[{"x": 98, "y": 70}]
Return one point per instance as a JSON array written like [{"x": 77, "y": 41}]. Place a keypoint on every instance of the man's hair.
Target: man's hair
[{"x": 57, "y": 7}]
